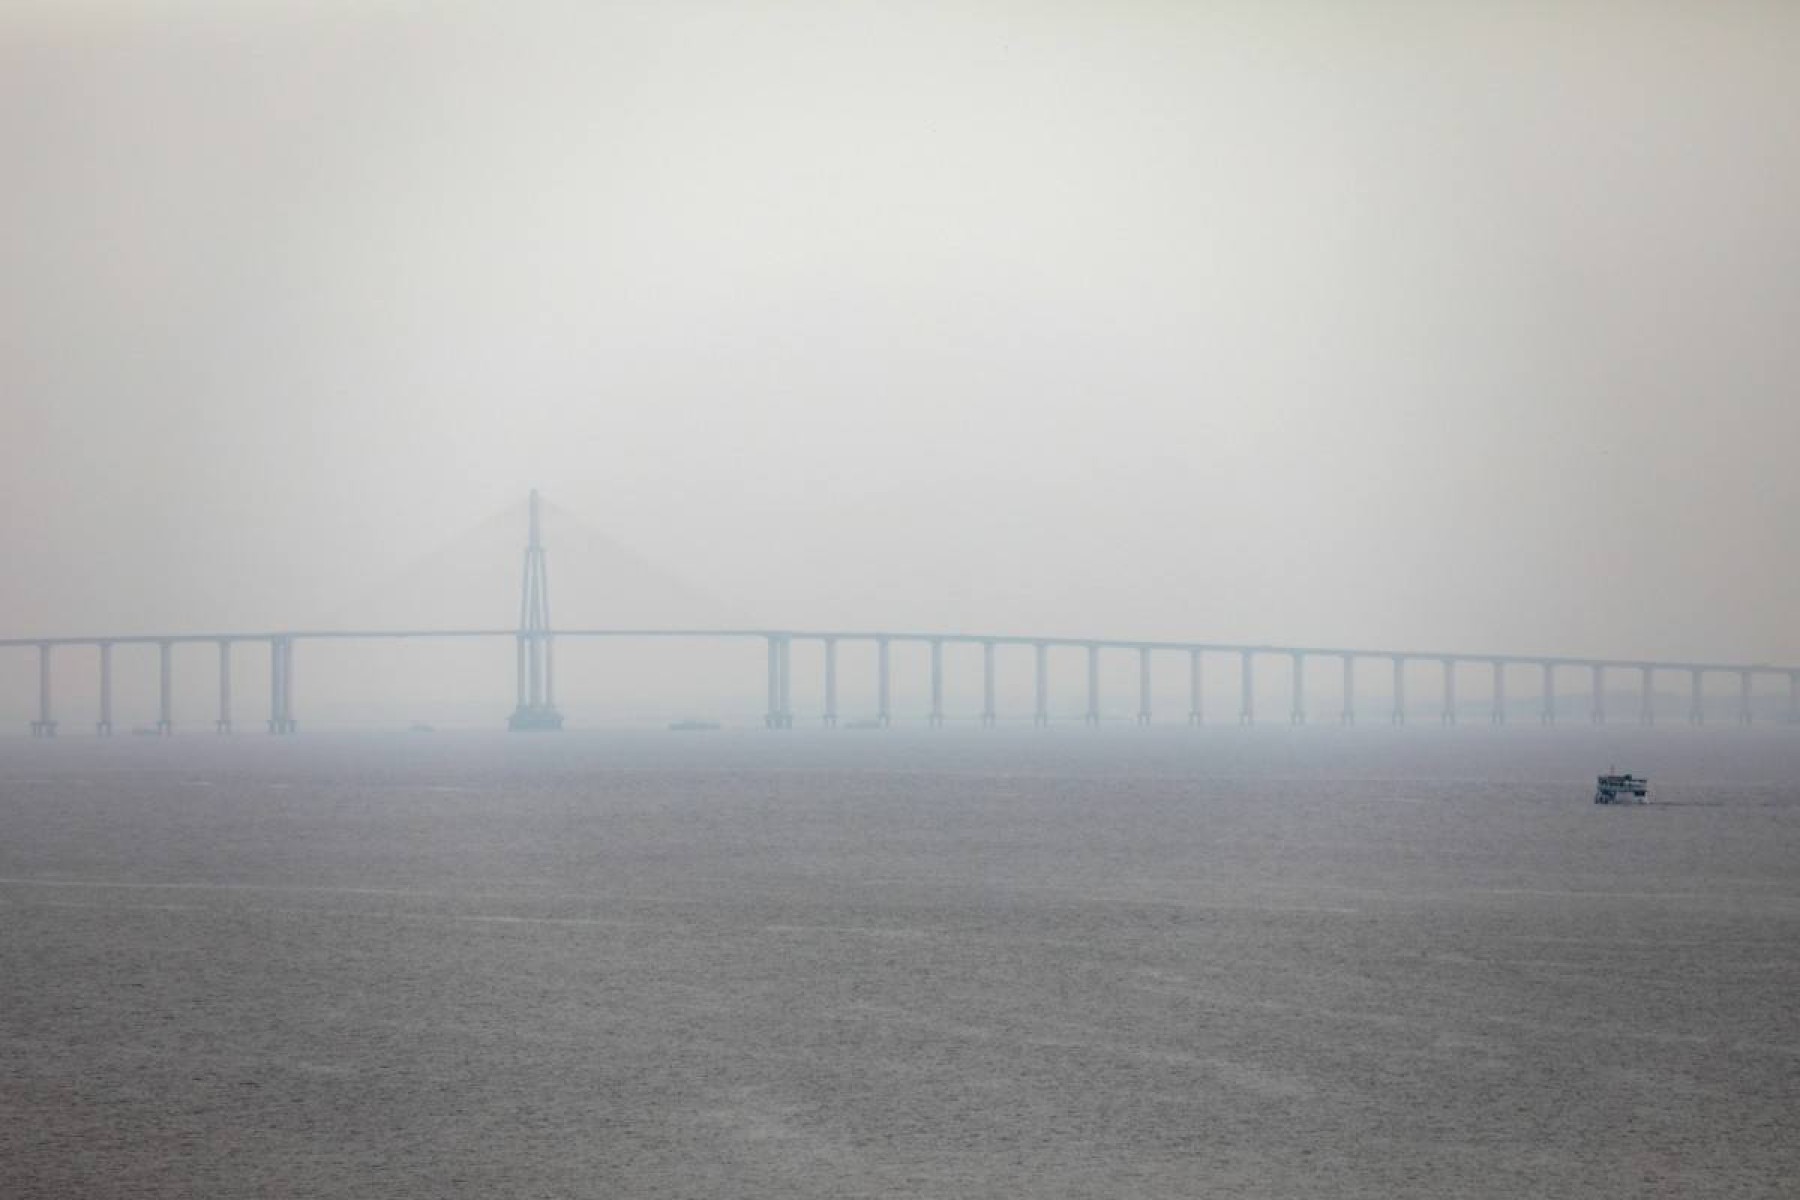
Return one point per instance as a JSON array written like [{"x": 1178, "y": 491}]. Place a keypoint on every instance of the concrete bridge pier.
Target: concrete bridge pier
[
  {"x": 831, "y": 713},
  {"x": 275, "y": 721},
  {"x": 987, "y": 685},
  {"x": 771, "y": 714},
  {"x": 45, "y": 725},
  {"x": 1093, "y": 672},
  {"x": 884, "y": 709},
  {"x": 1195, "y": 709},
  {"x": 1297, "y": 713},
  {"x": 780, "y": 714},
  {"x": 1647, "y": 698},
  {"x": 1547, "y": 711},
  {"x": 1449, "y": 714},
  {"x": 104, "y": 726},
  {"x": 937, "y": 683},
  {"x": 1696, "y": 704},
  {"x": 1040, "y": 715},
  {"x": 1497, "y": 715},
  {"x": 534, "y": 661},
  {"x": 165, "y": 708},
  {"x": 1247, "y": 680},
  {"x": 1347, "y": 716},
  {"x": 550, "y": 674},
  {"x": 1398, "y": 716},
  {"x": 1143, "y": 714},
  {"x": 223, "y": 724},
  {"x": 1598, "y": 687},
  {"x": 1745, "y": 713},
  {"x": 281, "y": 686},
  {"x": 786, "y": 662}
]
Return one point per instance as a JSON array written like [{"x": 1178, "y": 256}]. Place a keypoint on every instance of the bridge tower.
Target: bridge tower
[{"x": 536, "y": 711}]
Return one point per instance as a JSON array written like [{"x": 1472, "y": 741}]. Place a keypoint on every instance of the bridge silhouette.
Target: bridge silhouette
[{"x": 535, "y": 639}]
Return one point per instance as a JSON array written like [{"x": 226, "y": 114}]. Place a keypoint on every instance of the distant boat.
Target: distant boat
[
  {"x": 693, "y": 726},
  {"x": 1620, "y": 789},
  {"x": 420, "y": 727}
]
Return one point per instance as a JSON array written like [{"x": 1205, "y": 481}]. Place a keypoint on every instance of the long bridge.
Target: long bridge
[{"x": 535, "y": 639}]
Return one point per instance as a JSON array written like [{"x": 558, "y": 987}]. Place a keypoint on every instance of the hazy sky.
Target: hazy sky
[{"x": 1467, "y": 325}]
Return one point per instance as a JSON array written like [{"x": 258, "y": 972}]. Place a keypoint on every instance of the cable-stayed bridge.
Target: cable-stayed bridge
[{"x": 536, "y": 707}]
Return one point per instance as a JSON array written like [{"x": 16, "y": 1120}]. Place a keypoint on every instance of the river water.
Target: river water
[{"x": 1293, "y": 963}]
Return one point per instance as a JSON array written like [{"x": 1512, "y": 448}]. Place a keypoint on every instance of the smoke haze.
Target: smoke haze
[{"x": 1462, "y": 326}]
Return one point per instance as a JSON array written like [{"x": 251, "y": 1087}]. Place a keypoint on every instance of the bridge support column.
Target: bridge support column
[
  {"x": 276, "y": 722},
  {"x": 1598, "y": 686},
  {"x": 831, "y": 714},
  {"x": 104, "y": 726},
  {"x": 45, "y": 725},
  {"x": 786, "y": 663},
  {"x": 223, "y": 724},
  {"x": 1745, "y": 713},
  {"x": 1794, "y": 697},
  {"x": 550, "y": 673},
  {"x": 281, "y": 686},
  {"x": 1498, "y": 715},
  {"x": 988, "y": 716},
  {"x": 1647, "y": 697},
  {"x": 165, "y": 710},
  {"x": 1040, "y": 715},
  {"x": 1297, "y": 714},
  {"x": 536, "y": 649},
  {"x": 1547, "y": 706},
  {"x": 1696, "y": 703},
  {"x": 937, "y": 683},
  {"x": 1093, "y": 672},
  {"x": 772, "y": 713},
  {"x": 1347, "y": 715},
  {"x": 1398, "y": 716},
  {"x": 289, "y": 724},
  {"x": 884, "y": 708},
  {"x": 1247, "y": 682},
  {"x": 1449, "y": 714},
  {"x": 1143, "y": 713},
  {"x": 1195, "y": 708}
]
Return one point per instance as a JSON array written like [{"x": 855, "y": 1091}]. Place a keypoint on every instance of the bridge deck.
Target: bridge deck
[{"x": 876, "y": 635}]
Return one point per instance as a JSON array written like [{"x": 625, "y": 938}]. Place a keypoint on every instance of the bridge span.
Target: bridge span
[
  {"x": 537, "y": 695},
  {"x": 535, "y": 640}
]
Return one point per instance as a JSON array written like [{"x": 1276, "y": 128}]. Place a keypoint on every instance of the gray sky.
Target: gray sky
[{"x": 1451, "y": 324}]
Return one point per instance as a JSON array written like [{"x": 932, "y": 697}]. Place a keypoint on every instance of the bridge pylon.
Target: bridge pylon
[{"x": 536, "y": 711}]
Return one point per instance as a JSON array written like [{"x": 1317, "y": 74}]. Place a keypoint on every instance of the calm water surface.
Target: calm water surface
[{"x": 1140, "y": 963}]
